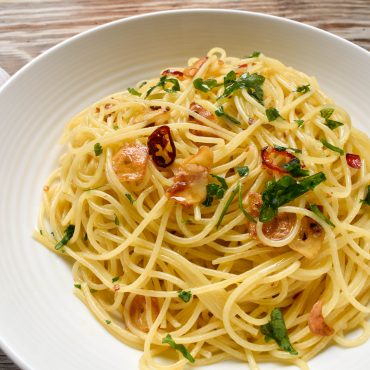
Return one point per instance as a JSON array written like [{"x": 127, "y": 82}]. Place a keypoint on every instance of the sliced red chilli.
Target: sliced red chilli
[
  {"x": 161, "y": 147},
  {"x": 353, "y": 160},
  {"x": 274, "y": 159},
  {"x": 192, "y": 70},
  {"x": 169, "y": 72}
]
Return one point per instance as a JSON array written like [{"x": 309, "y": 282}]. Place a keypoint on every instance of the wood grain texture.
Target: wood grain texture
[{"x": 27, "y": 28}]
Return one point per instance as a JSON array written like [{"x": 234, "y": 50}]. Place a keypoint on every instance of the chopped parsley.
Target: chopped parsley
[
  {"x": 115, "y": 279},
  {"x": 41, "y": 232},
  {"x": 251, "y": 82},
  {"x": 204, "y": 85},
  {"x": 98, "y": 149},
  {"x": 294, "y": 167},
  {"x": 142, "y": 84},
  {"x": 162, "y": 83},
  {"x": 227, "y": 205},
  {"x": 366, "y": 200},
  {"x": 255, "y": 54},
  {"x": 78, "y": 286},
  {"x": 221, "y": 113},
  {"x": 272, "y": 114},
  {"x": 242, "y": 170},
  {"x": 284, "y": 148},
  {"x": 315, "y": 209},
  {"x": 215, "y": 190},
  {"x": 284, "y": 190},
  {"x": 67, "y": 236},
  {"x": 178, "y": 347},
  {"x": 332, "y": 147},
  {"x": 299, "y": 122},
  {"x": 303, "y": 89},
  {"x": 326, "y": 114},
  {"x": 132, "y": 91},
  {"x": 116, "y": 220},
  {"x": 130, "y": 198},
  {"x": 108, "y": 322},
  {"x": 240, "y": 204},
  {"x": 276, "y": 330},
  {"x": 185, "y": 296}
]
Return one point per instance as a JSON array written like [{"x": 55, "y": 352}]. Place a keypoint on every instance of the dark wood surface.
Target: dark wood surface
[{"x": 27, "y": 28}]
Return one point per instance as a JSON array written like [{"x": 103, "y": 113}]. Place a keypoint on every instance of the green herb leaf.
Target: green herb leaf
[
  {"x": 240, "y": 204},
  {"x": 326, "y": 112},
  {"x": 142, "y": 84},
  {"x": 67, "y": 236},
  {"x": 108, "y": 322},
  {"x": 367, "y": 198},
  {"x": 283, "y": 148},
  {"x": 115, "y": 279},
  {"x": 299, "y": 122},
  {"x": 162, "y": 83},
  {"x": 242, "y": 170},
  {"x": 78, "y": 286},
  {"x": 178, "y": 347},
  {"x": 132, "y": 91},
  {"x": 185, "y": 296},
  {"x": 204, "y": 85},
  {"x": 220, "y": 112},
  {"x": 255, "y": 54},
  {"x": 276, "y": 330},
  {"x": 333, "y": 124},
  {"x": 215, "y": 190},
  {"x": 41, "y": 232},
  {"x": 272, "y": 114},
  {"x": 221, "y": 180},
  {"x": 116, "y": 220},
  {"x": 98, "y": 149},
  {"x": 278, "y": 193},
  {"x": 251, "y": 82},
  {"x": 115, "y": 127},
  {"x": 294, "y": 167},
  {"x": 332, "y": 147},
  {"x": 130, "y": 198},
  {"x": 303, "y": 89},
  {"x": 226, "y": 207},
  {"x": 315, "y": 209}
]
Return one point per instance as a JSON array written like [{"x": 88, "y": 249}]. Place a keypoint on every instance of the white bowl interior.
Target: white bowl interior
[{"x": 42, "y": 324}]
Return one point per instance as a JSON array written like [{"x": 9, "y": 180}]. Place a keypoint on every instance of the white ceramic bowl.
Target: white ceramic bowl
[{"x": 43, "y": 325}]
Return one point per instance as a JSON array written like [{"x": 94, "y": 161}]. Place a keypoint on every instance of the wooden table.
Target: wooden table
[{"x": 27, "y": 28}]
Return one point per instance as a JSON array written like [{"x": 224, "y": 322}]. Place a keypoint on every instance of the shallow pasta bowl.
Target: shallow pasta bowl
[{"x": 42, "y": 324}]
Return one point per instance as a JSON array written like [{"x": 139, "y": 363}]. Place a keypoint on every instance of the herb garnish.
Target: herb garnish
[
  {"x": 283, "y": 148},
  {"x": 132, "y": 91},
  {"x": 215, "y": 190},
  {"x": 67, "y": 236},
  {"x": 272, "y": 114},
  {"x": 185, "y": 296},
  {"x": 278, "y": 193},
  {"x": 276, "y": 330},
  {"x": 220, "y": 112},
  {"x": 299, "y": 122},
  {"x": 98, "y": 149},
  {"x": 162, "y": 83},
  {"x": 251, "y": 82},
  {"x": 41, "y": 232},
  {"x": 116, "y": 220},
  {"x": 115, "y": 279},
  {"x": 78, "y": 286},
  {"x": 326, "y": 114},
  {"x": 179, "y": 347},
  {"x": 255, "y": 54},
  {"x": 226, "y": 207},
  {"x": 332, "y": 147},
  {"x": 303, "y": 89},
  {"x": 240, "y": 204},
  {"x": 366, "y": 200},
  {"x": 108, "y": 322},
  {"x": 204, "y": 85},
  {"x": 294, "y": 167},
  {"x": 315, "y": 209},
  {"x": 242, "y": 170},
  {"x": 130, "y": 198}
]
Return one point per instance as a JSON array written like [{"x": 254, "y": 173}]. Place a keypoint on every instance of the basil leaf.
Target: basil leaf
[
  {"x": 132, "y": 91},
  {"x": 98, "y": 149},
  {"x": 315, "y": 209},
  {"x": 229, "y": 78},
  {"x": 213, "y": 190},
  {"x": 286, "y": 189},
  {"x": 366, "y": 200},
  {"x": 185, "y": 296},
  {"x": 242, "y": 170},
  {"x": 299, "y": 122},
  {"x": 204, "y": 85},
  {"x": 240, "y": 204},
  {"x": 294, "y": 167},
  {"x": 332, "y": 147},
  {"x": 303, "y": 89},
  {"x": 226, "y": 207},
  {"x": 276, "y": 330},
  {"x": 326, "y": 113},
  {"x": 178, "y": 347},
  {"x": 220, "y": 112},
  {"x": 272, "y": 114},
  {"x": 67, "y": 236},
  {"x": 162, "y": 83}
]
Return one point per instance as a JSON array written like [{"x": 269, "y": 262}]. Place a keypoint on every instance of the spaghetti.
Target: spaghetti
[{"x": 217, "y": 211}]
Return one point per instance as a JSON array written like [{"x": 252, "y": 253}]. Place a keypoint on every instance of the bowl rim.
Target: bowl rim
[{"x": 11, "y": 352}]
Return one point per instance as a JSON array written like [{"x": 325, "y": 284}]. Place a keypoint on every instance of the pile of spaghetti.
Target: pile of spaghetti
[{"x": 217, "y": 211}]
